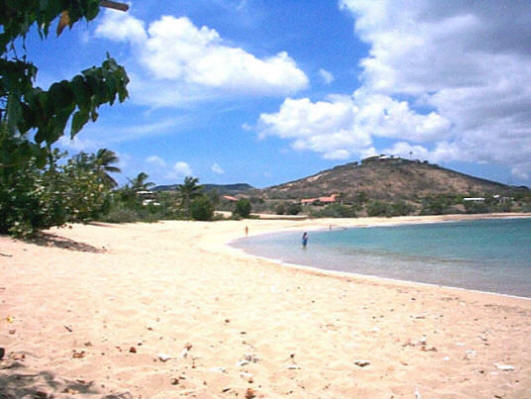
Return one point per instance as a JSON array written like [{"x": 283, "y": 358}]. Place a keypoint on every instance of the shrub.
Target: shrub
[
  {"x": 476, "y": 207},
  {"x": 202, "y": 208},
  {"x": 435, "y": 205},
  {"x": 33, "y": 198},
  {"x": 120, "y": 215},
  {"x": 378, "y": 208},
  {"x": 361, "y": 198},
  {"x": 294, "y": 209},
  {"x": 243, "y": 207},
  {"x": 336, "y": 211},
  {"x": 280, "y": 209},
  {"x": 401, "y": 208}
]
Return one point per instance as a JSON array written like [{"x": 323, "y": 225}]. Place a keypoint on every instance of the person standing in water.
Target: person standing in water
[{"x": 304, "y": 239}]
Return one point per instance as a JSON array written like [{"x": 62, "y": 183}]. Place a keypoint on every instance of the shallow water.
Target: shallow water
[{"x": 489, "y": 255}]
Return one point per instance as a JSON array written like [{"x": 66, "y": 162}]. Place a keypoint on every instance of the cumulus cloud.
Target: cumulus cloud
[
  {"x": 178, "y": 57},
  {"x": 326, "y": 76},
  {"x": 120, "y": 26},
  {"x": 343, "y": 126},
  {"x": 446, "y": 80},
  {"x": 469, "y": 61},
  {"x": 217, "y": 169},
  {"x": 156, "y": 161},
  {"x": 181, "y": 169}
]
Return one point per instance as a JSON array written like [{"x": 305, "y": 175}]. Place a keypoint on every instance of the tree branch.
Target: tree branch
[{"x": 114, "y": 5}]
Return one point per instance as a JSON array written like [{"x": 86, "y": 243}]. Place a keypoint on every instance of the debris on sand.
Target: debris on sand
[
  {"x": 184, "y": 353},
  {"x": 248, "y": 358},
  {"x": 362, "y": 363},
  {"x": 218, "y": 370},
  {"x": 163, "y": 357},
  {"x": 504, "y": 367}
]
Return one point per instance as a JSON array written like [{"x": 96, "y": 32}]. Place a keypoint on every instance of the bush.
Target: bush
[
  {"x": 202, "y": 209},
  {"x": 336, "y": 211},
  {"x": 476, "y": 207},
  {"x": 361, "y": 198},
  {"x": 280, "y": 209},
  {"x": 243, "y": 207},
  {"x": 378, "y": 208},
  {"x": 400, "y": 208},
  {"x": 294, "y": 209},
  {"x": 435, "y": 205},
  {"x": 120, "y": 215},
  {"x": 33, "y": 198}
]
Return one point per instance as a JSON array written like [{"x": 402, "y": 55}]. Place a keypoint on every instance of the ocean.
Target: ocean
[{"x": 491, "y": 255}]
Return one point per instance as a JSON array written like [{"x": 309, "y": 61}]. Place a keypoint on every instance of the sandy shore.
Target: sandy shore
[{"x": 167, "y": 310}]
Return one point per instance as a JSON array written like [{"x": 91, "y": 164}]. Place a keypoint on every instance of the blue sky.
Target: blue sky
[{"x": 265, "y": 92}]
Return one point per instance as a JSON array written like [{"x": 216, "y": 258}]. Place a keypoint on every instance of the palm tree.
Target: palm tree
[
  {"x": 139, "y": 183},
  {"x": 104, "y": 161},
  {"x": 189, "y": 190}
]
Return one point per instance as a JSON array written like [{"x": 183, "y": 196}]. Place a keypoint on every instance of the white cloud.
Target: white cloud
[
  {"x": 217, "y": 169},
  {"x": 156, "y": 161},
  {"x": 343, "y": 126},
  {"x": 181, "y": 169},
  {"x": 120, "y": 26},
  {"x": 448, "y": 81},
  {"x": 180, "y": 62},
  {"x": 468, "y": 61},
  {"x": 326, "y": 76}
]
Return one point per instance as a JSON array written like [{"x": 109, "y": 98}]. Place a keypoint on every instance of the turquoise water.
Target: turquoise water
[{"x": 489, "y": 255}]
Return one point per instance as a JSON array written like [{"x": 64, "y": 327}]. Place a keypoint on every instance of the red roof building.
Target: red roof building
[{"x": 230, "y": 198}]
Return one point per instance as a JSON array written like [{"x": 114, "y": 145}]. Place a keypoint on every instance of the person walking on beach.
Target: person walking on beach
[
  {"x": 304, "y": 239},
  {"x": 246, "y": 231}
]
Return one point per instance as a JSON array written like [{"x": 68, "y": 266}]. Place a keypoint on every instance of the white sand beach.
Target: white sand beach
[{"x": 168, "y": 310}]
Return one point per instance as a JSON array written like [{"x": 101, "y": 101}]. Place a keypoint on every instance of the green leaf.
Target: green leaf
[
  {"x": 14, "y": 113},
  {"x": 41, "y": 157},
  {"x": 78, "y": 121},
  {"x": 81, "y": 92},
  {"x": 61, "y": 94},
  {"x": 93, "y": 9}
]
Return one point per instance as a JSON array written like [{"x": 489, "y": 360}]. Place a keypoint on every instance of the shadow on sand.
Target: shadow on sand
[
  {"x": 52, "y": 240},
  {"x": 15, "y": 383}
]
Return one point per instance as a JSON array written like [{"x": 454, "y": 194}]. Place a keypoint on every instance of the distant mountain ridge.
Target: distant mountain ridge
[
  {"x": 222, "y": 189},
  {"x": 387, "y": 178}
]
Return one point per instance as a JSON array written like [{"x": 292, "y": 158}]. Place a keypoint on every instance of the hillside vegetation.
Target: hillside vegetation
[{"x": 386, "y": 178}]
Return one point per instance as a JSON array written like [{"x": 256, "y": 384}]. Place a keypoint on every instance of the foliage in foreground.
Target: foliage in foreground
[
  {"x": 32, "y": 198},
  {"x": 35, "y": 193},
  {"x": 38, "y": 117}
]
